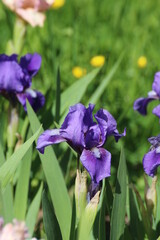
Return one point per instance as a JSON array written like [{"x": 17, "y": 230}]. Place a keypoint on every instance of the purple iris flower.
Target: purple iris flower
[
  {"x": 16, "y": 79},
  {"x": 151, "y": 160},
  {"x": 141, "y": 103},
  {"x": 86, "y": 137}
]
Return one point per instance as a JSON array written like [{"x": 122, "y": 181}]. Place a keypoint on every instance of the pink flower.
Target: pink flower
[
  {"x": 30, "y": 10},
  {"x": 17, "y": 230}
]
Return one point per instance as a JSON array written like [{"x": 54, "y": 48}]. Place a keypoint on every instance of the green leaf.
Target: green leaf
[
  {"x": 33, "y": 211},
  {"x": 6, "y": 196},
  {"x": 136, "y": 226},
  {"x": 144, "y": 214},
  {"x": 58, "y": 97},
  {"x": 119, "y": 202},
  {"x": 109, "y": 197},
  {"x": 101, "y": 88},
  {"x": 73, "y": 222},
  {"x": 8, "y": 168},
  {"x": 55, "y": 180},
  {"x": 98, "y": 231},
  {"x": 6, "y": 203},
  {"x": 2, "y": 157},
  {"x": 51, "y": 226},
  {"x": 21, "y": 194},
  {"x": 75, "y": 92},
  {"x": 102, "y": 227}
]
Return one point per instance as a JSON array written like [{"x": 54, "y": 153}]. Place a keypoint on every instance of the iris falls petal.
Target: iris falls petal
[
  {"x": 49, "y": 137},
  {"x": 156, "y": 111},
  {"x": 156, "y": 83},
  {"x": 141, "y": 104},
  {"x": 35, "y": 98},
  {"x": 97, "y": 161},
  {"x": 151, "y": 161}
]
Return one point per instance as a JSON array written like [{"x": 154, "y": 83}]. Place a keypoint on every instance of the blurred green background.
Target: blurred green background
[{"x": 79, "y": 30}]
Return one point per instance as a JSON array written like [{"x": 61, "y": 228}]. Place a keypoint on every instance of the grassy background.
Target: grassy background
[{"x": 82, "y": 29}]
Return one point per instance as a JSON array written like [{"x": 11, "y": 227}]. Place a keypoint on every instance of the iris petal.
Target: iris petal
[
  {"x": 97, "y": 162},
  {"x": 106, "y": 121},
  {"x": 31, "y": 63},
  {"x": 49, "y": 137},
  {"x": 108, "y": 125},
  {"x": 35, "y": 98},
  {"x": 76, "y": 123},
  {"x": 140, "y": 104},
  {"x": 154, "y": 141},
  {"x": 11, "y": 76},
  {"x": 151, "y": 161},
  {"x": 118, "y": 135},
  {"x": 156, "y": 111},
  {"x": 156, "y": 83}
]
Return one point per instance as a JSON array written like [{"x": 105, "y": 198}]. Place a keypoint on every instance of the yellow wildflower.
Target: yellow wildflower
[
  {"x": 97, "y": 61},
  {"x": 78, "y": 72},
  {"x": 58, "y": 4},
  {"x": 142, "y": 62}
]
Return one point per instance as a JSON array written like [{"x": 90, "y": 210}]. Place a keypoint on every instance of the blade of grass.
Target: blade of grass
[
  {"x": 2, "y": 157},
  {"x": 8, "y": 168},
  {"x": 119, "y": 202},
  {"x": 7, "y": 203},
  {"x": 136, "y": 226},
  {"x": 55, "y": 181},
  {"x": 144, "y": 214},
  {"x": 58, "y": 97},
  {"x": 109, "y": 197},
  {"x": 101, "y": 88},
  {"x": 6, "y": 197},
  {"x": 75, "y": 92},
  {"x": 21, "y": 194},
  {"x": 33, "y": 211},
  {"x": 102, "y": 228},
  {"x": 51, "y": 226},
  {"x": 73, "y": 223}
]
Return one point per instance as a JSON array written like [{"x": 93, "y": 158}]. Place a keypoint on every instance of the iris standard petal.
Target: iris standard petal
[
  {"x": 93, "y": 137},
  {"x": 140, "y": 104},
  {"x": 97, "y": 162},
  {"x": 88, "y": 118},
  {"x": 154, "y": 141},
  {"x": 76, "y": 124},
  {"x": 156, "y": 83},
  {"x": 31, "y": 63},
  {"x": 47, "y": 138},
  {"x": 35, "y": 98},
  {"x": 118, "y": 135},
  {"x": 11, "y": 76},
  {"x": 106, "y": 121},
  {"x": 151, "y": 161},
  {"x": 156, "y": 111},
  {"x": 4, "y": 57}
]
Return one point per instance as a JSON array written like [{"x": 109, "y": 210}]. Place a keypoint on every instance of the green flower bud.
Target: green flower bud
[
  {"x": 151, "y": 196},
  {"x": 88, "y": 217},
  {"x": 80, "y": 192}
]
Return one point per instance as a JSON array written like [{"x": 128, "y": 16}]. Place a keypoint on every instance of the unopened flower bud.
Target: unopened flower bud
[
  {"x": 80, "y": 192},
  {"x": 19, "y": 142},
  {"x": 89, "y": 217},
  {"x": 151, "y": 196},
  {"x": 91, "y": 208}
]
